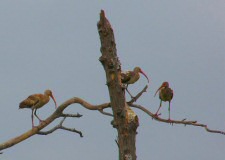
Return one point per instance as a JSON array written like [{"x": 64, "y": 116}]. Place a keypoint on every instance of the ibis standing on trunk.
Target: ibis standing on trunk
[
  {"x": 36, "y": 101},
  {"x": 165, "y": 94},
  {"x": 130, "y": 77}
]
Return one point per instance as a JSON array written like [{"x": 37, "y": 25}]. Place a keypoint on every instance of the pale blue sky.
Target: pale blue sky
[{"x": 55, "y": 45}]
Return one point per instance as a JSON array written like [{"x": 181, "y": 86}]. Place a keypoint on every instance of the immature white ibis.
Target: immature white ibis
[
  {"x": 130, "y": 77},
  {"x": 36, "y": 101},
  {"x": 165, "y": 94}
]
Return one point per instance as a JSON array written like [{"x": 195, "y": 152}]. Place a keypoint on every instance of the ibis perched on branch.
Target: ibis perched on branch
[
  {"x": 165, "y": 94},
  {"x": 130, "y": 77},
  {"x": 36, "y": 101}
]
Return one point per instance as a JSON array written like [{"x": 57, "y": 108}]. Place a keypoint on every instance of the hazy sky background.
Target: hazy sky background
[{"x": 52, "y": 44}]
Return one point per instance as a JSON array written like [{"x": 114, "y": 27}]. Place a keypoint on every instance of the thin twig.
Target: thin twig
[
  {"x": 138, "y": 95},
  {"x": 71, "y": 115},
  {"x": 72, "y": 130},
  {"x": 105, "y": 113},
  {"x": 60, "y": 126},
  {"x": 116, "y": 140}
]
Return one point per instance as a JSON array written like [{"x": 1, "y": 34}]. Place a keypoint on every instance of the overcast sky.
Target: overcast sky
[{"x": 53, "y": 44}]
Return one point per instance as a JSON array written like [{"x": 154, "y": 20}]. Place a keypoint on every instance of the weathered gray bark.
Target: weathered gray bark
[{"x": 125, "y": 120}]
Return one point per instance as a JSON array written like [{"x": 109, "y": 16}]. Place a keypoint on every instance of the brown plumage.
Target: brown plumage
[
  {"x": 165, "y": 94},
  {"x": 130, "y": 77},
  {"x": 37, "y": 101}
]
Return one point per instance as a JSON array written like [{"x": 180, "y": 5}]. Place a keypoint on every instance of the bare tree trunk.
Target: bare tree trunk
[{"x": 125, "y": 120}]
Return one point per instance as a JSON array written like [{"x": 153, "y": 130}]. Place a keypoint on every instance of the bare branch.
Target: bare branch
[
  {"x": 193, "y": 123},
  {"x": 83, "y": 103},
  {"x": 58, "y": 113}
]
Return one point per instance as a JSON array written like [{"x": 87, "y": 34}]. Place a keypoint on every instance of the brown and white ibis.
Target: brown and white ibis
[
  {"x": 130, "y": 77},
  {"x": 36, "y": 101},
  {"x": 165, "y": 94}
]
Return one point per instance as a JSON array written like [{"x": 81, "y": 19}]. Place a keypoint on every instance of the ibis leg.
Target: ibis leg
[
  {"x": 32, "y": 118},
  {"x": 160, "y": 105},
  {"x": 169, "y": 110},
  {"x": 37, "y": 116},
  {"x": 129, "y": 92}
]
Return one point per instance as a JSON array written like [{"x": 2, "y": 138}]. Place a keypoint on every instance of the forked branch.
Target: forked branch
[{"x": 60, "y": 126}]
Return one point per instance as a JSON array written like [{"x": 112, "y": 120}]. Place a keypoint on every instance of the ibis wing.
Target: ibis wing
[
  {"x": 171, "y": 94},
  {"x": 34, "y": 99},
  {"x": 29, "y": 102},
  {"x": 125, "y": 76}
]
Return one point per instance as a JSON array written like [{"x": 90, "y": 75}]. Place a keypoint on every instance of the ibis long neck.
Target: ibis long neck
[{"x": 135, "y": 77}]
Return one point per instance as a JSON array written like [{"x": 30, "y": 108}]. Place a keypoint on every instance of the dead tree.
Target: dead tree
[{"x": 124, "y": 118}]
